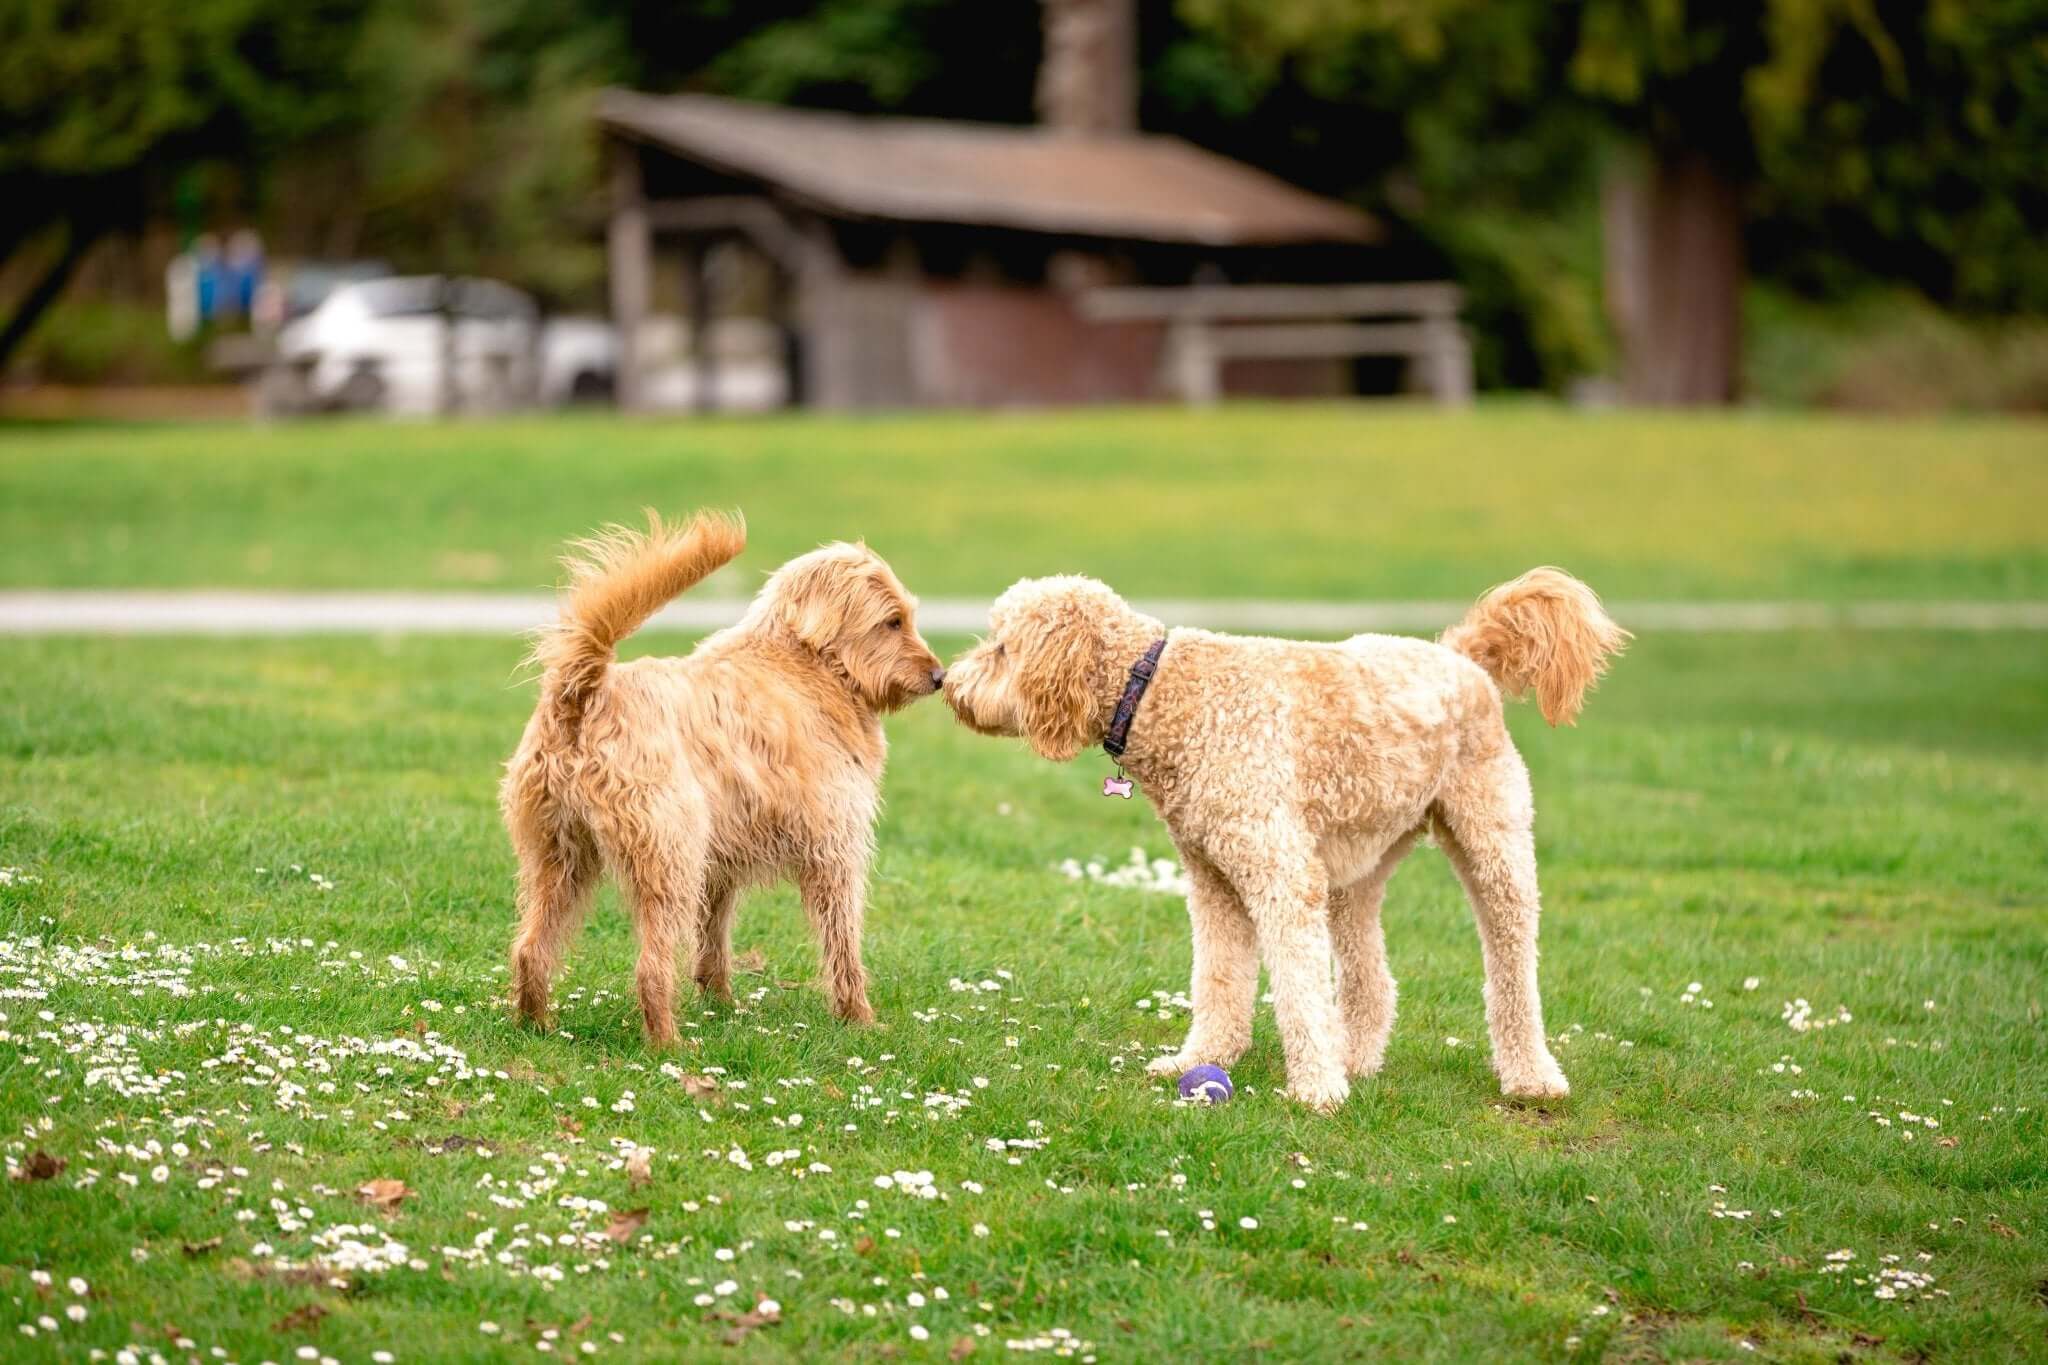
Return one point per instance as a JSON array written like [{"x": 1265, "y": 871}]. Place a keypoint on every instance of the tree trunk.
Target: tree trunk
[
  {"x": 1088, "y": 77},
  {"x": 1674, "y": 272},
  {"x": 37, "y": 301}
]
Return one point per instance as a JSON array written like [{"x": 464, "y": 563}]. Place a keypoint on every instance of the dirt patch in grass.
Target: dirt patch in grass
[
  {"x": 1639, "y": 1334},
  {"x": 1553, "y": 1128}
]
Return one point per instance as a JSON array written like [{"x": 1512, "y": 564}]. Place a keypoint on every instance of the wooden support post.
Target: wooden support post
[
  {"x": 630, "y": 251},
  {"x": 1448, "y": 354},
  {"x": 821, "y": 284},
  {"x": 703, "y": 362},
  {"x": 1195, "y": 371}
]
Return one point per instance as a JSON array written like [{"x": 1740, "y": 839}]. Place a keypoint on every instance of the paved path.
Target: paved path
[{"x": 86, "y": 612}]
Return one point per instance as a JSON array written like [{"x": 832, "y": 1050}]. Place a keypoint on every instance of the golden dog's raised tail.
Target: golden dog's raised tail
[
  {"x": 1545, "y": 630},
  {"x": 617, "y": 579}
]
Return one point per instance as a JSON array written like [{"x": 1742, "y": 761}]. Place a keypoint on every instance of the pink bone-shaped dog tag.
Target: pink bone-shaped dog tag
[{"x": 1117, "y": 786}]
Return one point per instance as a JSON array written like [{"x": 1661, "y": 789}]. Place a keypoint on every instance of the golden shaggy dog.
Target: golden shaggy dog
[
  {"x": 756, "y": 757},
  {"x": 1294, "y": 777}
]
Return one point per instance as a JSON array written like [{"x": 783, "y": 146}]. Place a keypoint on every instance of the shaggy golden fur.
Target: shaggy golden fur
[
  {"x": 1294, "y": 777},
  {"x": 758, "y": 756}
]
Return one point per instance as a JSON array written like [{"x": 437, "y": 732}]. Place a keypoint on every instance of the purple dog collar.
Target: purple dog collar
[{"x": 1127, "y": 705}]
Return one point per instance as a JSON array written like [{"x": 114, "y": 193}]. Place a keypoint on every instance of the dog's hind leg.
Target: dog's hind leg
[
  {"x": 1225, "y": 983},
  {"x": 714, "y": 941},
  {"x": 558, "y": 866},
  {"x": 1483, "y": 820},
  {"x": 658, "y": 845},
  {"x": 1366, "y": 984}
]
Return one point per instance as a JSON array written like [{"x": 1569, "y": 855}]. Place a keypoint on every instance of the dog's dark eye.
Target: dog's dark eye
[{"x": 895, "y": 623}]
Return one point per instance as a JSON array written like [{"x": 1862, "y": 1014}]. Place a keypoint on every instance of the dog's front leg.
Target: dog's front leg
[
  {"x": 1225, "y": 982},
  {"x": 1289, "y": 904},
  {"x": 835, "y": 899}
]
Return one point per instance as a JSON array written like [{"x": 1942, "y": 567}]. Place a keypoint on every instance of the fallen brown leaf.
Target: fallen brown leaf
[
  {"x": 753, "y": 962},
  {"x": 41, "y": 1166},
  {"x": 299, "y": 1319},
  {"x": 569, "y": 1125},
  {"x": 963, "y": 1347},
  {"x": 1947, "y": 1141},
  {"x": 1999, "y": 1226},
  {"x": 624, "y": 1225},
  {"x": 744, "y": 1324},
  {"x": 640, "y": 1166},
  {"x": 384, "y": 1194},
  {"x": 201, "y": 1248},
  {"x": 699, "y": 1087},
  {"x": 863, "y": 1246}
]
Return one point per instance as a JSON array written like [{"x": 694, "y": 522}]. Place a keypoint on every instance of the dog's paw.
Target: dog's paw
[
  {"x": 1324, "y": 1096},
  {"x": 1365, "y": 1063},
  {"x": 1548, "y": 1084},
  {"x": 1173, "y": 1064},
  {"x": 857, "y": 1013}
]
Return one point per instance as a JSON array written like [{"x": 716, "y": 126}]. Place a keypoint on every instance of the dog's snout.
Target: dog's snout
[{"x": 938, "y": 678}]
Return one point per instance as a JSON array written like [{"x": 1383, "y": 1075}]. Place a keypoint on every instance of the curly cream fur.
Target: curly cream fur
[
  {"x": 1294, "y": 777},
  {"x": 1545, "y": 630},
  {"x": 756, "y": 757}
]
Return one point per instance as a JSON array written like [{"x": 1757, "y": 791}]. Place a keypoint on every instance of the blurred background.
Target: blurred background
[{"x": 421, "y": 206}]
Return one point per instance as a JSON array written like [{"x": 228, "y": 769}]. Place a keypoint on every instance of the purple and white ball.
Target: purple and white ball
[{"x": 1207, "y": 1084}]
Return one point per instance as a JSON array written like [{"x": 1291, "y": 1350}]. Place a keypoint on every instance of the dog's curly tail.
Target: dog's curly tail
[
  {"x": 617, "y": 579},
  {"x": 1545, "y": 630}
]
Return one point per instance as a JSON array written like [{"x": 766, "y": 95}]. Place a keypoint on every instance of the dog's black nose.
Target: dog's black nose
[{"x": 938, "y": 678}]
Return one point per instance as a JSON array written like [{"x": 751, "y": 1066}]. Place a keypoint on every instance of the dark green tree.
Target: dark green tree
[
  {"x": 105, "y": 102},
  {"x": 1909, "y": 128}
]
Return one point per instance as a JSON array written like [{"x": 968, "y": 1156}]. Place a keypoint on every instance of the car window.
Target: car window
[
  {"x": 490, "y": 301},
  {"x": 422, "y": 296},
  {"x": 399, "y": 298}
]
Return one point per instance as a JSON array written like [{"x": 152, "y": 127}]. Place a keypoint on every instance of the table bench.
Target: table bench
[{"x": 1207, "y": 325}]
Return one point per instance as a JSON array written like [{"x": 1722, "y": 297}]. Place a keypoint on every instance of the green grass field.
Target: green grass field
[
  {"x": 1294, "y": 501},
  {"x": 255, "y": 901}
]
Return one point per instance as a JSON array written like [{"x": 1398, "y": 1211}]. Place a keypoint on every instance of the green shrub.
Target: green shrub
[
  {"x": 107, "y": 341},
  {"x": 1893, "y": 352}
]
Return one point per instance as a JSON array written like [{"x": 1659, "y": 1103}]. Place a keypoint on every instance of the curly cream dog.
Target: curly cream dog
[
  {"x": 1294, "y": 777},
  {"x": 757, "y": 756}
]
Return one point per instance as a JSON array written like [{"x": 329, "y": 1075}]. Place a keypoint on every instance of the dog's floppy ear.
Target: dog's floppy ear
[
  {"x": 818, "y": 597},
  {"x": 812, "y": 613},
  {"x": 1055, "y": 696}
]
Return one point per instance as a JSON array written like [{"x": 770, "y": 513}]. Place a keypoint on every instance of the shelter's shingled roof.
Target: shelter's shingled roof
[{"x": 932, "y": 170}]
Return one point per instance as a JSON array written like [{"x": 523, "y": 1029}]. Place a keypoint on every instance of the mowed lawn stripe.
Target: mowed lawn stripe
[
  {"x": 1342, "y": 502},
  {"x": 86, "y": 611}
]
